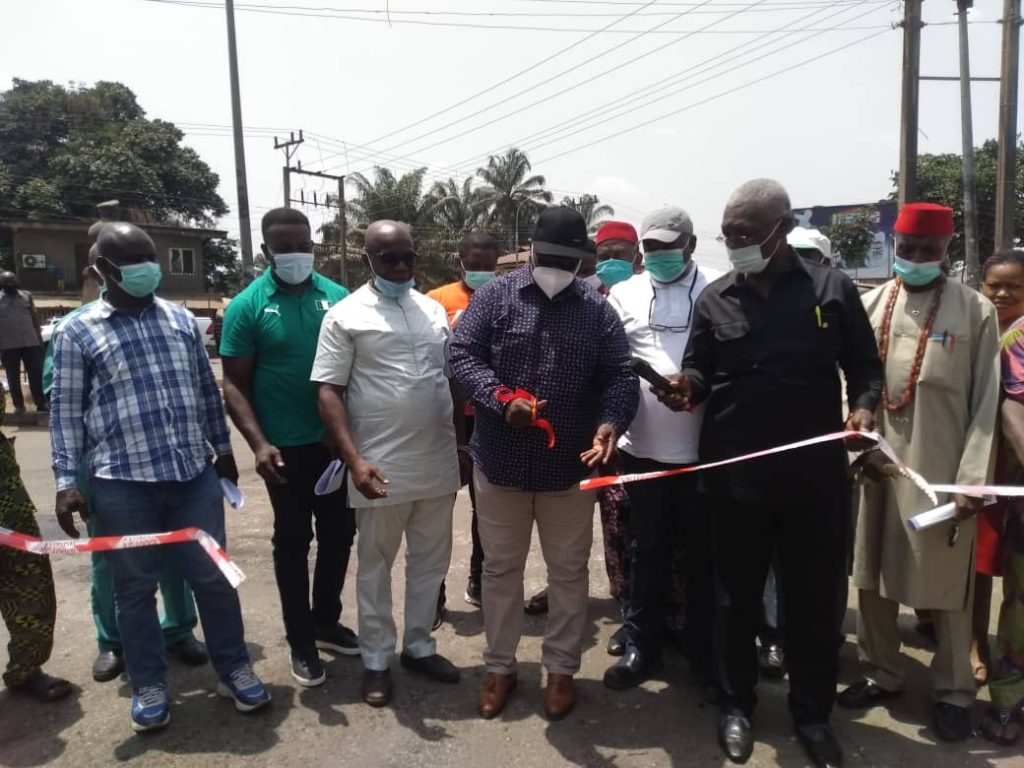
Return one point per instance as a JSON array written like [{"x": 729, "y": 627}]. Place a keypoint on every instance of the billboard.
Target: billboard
[{"x": 877, "y": 261}]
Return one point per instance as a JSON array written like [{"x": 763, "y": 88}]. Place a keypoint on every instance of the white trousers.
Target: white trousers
[{"x": 427, "y": 526}]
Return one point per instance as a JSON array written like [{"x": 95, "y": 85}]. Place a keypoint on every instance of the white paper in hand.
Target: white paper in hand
[
  {"x": 232, "y": 493},
  {"x": 330, "y": 480},
  {"x": 932, "y": 517}
]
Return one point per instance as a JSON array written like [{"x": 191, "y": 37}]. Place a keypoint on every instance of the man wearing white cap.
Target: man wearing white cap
[
  {"x": 812, "y": 245},
  {"x": 656, "y": 308}
]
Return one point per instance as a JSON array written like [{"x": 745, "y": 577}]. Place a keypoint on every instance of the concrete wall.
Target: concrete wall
[{"x": 62, "y": 273}]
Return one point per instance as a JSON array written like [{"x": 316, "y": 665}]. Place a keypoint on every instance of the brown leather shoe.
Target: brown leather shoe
[
  {"x": 495, "y": 693},
  {"x": 559, "y": 696}
]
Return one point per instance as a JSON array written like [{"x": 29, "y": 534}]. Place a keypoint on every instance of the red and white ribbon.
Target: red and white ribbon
[
  {"x": 232, "y": 572},
  {"x": 910, "y": 474}
]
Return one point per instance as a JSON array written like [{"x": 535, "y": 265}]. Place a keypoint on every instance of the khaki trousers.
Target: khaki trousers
[
  {"x": 879, "y": 647},
  {"x": 565, "y": 524},
  {"x": 427, "y": 527}
]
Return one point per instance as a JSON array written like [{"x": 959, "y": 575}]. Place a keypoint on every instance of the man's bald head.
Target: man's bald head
[
  {"x": 387, "y": 235},
  {"x": 122, "y": 243},
  {"x": 8, "y": 280}
]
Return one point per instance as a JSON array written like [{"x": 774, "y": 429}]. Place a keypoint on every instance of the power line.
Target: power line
[
  {"x": 655, "y": 93},
  {"x": 714, "y": 97},
  {"x": 570, "y": 70}
]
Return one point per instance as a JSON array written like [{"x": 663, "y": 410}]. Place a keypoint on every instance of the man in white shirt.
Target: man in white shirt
[
  {"x": 386, "y": 402},
  {"x": 656, "y": 308}
]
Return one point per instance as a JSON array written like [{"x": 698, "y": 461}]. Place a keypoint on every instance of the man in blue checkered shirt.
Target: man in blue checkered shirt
[{"x": 133, "y": 391}]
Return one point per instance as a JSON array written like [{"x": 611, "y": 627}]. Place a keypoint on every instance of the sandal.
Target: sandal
[
  {"x": 1001, "y": 726},
  {"x": 42, "y": 687}
]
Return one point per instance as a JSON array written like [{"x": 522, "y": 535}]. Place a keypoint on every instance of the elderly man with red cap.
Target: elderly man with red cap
[{"x": 939, "y": 343}]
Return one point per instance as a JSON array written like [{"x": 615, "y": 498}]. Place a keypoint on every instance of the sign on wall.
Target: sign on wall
[
  {"x": 33, "y": 260},
  {"x": 876, "y": 261}
]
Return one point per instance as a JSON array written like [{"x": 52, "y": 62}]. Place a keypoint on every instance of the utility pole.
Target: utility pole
[
  {"x": 242, "y": 186},
  {"x": 287, "y": 146},
  {"x": 908, "y": 110},
  {"x": 972, "y": 265},
  {"x": 1006, "y": 165},
  {"x": 340, "y": 204},
  {"x": 343, "y": 216}
]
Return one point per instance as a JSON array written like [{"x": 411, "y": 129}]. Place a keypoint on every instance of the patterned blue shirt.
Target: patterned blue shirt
[
  {"x": 571, "y": 351},
  {"x": 134, "y": 393}
]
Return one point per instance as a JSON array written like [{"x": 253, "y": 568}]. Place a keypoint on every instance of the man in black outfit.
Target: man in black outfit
[{"x": 767, "y": 343}]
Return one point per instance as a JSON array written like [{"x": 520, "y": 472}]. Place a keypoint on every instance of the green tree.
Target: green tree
[
  {"x": 590, "y": 207},
  {"x": 223, "y": 269},
  {"x": 852, "y": 235},
  {"x": 65, "y": 148},
  {"x": 512, "y": 195},
  {"x": 458, "y": 208},
  {"x": 940, "y": 180},
  {"x": 400, "y": 198}
]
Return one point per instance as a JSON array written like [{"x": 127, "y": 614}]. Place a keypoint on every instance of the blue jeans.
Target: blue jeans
[{"x": 125, "y": 507}]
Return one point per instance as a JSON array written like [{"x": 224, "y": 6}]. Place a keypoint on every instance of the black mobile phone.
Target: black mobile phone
[{"x": 644, "y": 370}]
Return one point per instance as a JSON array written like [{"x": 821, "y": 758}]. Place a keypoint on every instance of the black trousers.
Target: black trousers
[
  {"x": 32, "y": 357},
  {"x": 809, "y": 536},
  {"x": 295, "y": 507},
  {"x": 666, "y": 514}
]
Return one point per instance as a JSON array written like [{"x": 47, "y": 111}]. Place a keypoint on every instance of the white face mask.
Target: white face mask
[
  {"x": 750, "y": 260},
  {"x": 593, "y": 281},
  {"x": 552, "y": 281},
  {"x": 293, "y": 268}
]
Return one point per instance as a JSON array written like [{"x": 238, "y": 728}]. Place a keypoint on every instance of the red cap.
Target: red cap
[
  {"x": 925, "y": 220},
  {"x": 616, "y": 230}
]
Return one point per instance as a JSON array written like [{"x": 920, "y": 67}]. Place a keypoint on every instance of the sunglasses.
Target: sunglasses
[{"x": 394, "y": 258}]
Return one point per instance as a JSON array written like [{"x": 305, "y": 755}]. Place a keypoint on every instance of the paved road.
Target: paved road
[{"x": 661, "y": 724}]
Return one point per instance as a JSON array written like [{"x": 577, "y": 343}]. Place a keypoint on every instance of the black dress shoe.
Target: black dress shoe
[
  {"x": 735, "y": 736},
  {"x": 863, "y": 694},
  {"x": 190, "y": 651},
  {"x": 821, "y": 745},
  {"x": 436, "y": 667},
  {"x": 772, "y": 661},
  {"x": 617, "y": 642},
  {"x": 108, "y": 665},
  {"x": 377, "y": 687},
  {"x": 629, "y": 671},
  {"x": 951, "y": 723}
]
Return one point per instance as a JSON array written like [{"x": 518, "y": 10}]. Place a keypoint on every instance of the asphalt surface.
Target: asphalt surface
[{"x": 662, "y": 723}]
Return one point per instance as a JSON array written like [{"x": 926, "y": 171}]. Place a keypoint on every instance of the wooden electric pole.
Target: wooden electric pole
[
  {"x": 290, "y": 147},
  {"x": 339, "y": 204},
  {"x": 972, "y": 266},
  {"x": 908, "y": 109},
  {"x": 242, "y": 186},
  {"x": 1006, "y": 167}
]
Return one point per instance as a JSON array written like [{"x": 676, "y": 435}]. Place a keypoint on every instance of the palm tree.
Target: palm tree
[
  {"x": 457, "y": 209},
  {"x": 512, "y": 196},
  {"x": 590, "y": 207},
  {"x": 388, "y": 197}
]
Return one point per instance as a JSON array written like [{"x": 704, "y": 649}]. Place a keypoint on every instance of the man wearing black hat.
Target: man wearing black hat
[{"x": 544, "y": 360}]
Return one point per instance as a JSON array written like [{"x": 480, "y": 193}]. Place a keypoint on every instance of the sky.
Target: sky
[{"x": 642, "y": 103}]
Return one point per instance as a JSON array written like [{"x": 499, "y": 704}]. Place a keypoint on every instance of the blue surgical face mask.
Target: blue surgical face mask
[
  {"x": 391, "y": 289},
  {"x": 665, "y": 266},
  {"x": 612, "y": 271},
  {"x": 293, "y": 268},
  {"x": 476, "y": 279},
  {"x": 916, "y": 274},
  {"x": 140, "y": 280}
]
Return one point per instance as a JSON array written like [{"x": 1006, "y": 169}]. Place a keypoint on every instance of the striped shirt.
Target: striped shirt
[{"x": 136, "y": 394}]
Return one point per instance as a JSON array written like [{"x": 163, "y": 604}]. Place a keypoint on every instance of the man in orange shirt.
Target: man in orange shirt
[{"x": 478, "y": 255}]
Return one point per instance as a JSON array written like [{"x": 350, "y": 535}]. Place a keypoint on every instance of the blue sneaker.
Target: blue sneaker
[
  {"x": 245, "y": 688},
  {"x": 150, "y": 708}
]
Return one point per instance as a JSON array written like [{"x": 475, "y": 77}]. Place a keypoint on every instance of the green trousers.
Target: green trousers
[
  {"x": 27, "y": 600},
  {"x": 179, "y": 614}
]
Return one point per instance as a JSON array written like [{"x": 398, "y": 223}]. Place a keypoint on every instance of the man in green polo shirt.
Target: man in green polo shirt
[{"x": 268, "y": 343}]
